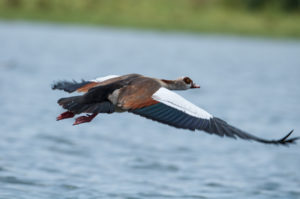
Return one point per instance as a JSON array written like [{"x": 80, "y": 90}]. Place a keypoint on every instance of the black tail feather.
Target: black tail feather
[{"x": 77, "y": 105}]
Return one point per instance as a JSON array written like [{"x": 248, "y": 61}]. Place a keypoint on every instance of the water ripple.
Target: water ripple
[
  {"x": 156, "y": 166},
  {"x": 14, "y": 180},
  {"x": 244, "y": 81},
  {"x": 55, "y": 139}
]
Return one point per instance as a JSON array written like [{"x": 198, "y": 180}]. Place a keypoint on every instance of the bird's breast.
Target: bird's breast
[{"x": 114, "y": 96}]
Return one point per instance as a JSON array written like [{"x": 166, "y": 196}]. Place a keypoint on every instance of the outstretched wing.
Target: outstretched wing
[
  {"x": 84, "y": 86},
  {"x": 174, "y": 110}
]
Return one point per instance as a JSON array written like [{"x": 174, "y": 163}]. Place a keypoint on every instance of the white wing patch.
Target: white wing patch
[
  {"x": 174, "y": 100},
  {"x": 102, "y": 79}
]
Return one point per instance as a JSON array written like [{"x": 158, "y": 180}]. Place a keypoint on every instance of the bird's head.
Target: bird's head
[
  {"x": 187, "y": 83},
  {"x": 182, "y": 83}
]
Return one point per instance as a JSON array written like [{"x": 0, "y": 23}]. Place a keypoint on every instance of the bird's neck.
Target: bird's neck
[{"x": 173, "y": 84}]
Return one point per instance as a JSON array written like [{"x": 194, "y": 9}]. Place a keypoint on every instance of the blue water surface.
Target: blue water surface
[{"x": 252, "y": 83}]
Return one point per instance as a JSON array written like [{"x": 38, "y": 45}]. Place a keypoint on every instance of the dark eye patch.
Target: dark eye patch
[{"x": 187, "y": 80}]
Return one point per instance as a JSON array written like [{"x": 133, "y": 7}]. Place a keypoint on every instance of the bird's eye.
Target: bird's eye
[{"x": 187, "y": 80}]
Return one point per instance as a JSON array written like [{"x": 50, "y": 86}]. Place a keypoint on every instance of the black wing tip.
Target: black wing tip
[
  {"x": 285, "y": 141},
  {"x": 54, "y": 85},
  {"x": 60, "y": 84},
  {"x": 68, "y": 86}
]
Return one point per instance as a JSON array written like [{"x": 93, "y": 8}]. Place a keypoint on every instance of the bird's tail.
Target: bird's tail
[{"x": 77, "y": 105}]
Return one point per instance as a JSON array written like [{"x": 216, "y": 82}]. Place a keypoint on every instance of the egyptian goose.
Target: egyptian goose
[{"x": 148, "y": 97}]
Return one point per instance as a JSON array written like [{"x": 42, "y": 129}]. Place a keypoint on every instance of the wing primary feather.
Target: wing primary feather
[
  {"x": 234, "y": 132},
  {"x": 166, "y": 114},
  {"x": 171, "y": 116},
  {"x": 188, "y": 122},
  {"x": 219, "y": 130},
  {"x": 203, "y": 125},
  {"x": 185, "y": 122},
  {"x": 156, "y": 113},
  {"x": 197, "y": 123}
]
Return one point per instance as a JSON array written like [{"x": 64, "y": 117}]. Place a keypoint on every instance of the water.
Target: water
[{"x": 251, "y": 83}]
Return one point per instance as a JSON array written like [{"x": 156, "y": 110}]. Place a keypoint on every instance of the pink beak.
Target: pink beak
[{"x": 195, "y": 86}]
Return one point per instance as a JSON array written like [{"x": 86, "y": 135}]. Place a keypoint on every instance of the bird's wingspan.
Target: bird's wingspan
[{"x": 176, "y": 111}]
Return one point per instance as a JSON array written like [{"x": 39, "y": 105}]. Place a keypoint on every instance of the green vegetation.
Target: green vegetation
[{"x": 247, "y": 17}]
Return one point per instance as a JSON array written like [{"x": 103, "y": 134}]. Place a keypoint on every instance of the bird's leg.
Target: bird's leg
[
  {"x": 65, "y": 115},
  {"x": 84, "y": 119}
]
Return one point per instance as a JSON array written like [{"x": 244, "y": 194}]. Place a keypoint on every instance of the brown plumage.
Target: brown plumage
[
  {"x": 151, "y": 98},
  {"x": 138, "y": 94}
]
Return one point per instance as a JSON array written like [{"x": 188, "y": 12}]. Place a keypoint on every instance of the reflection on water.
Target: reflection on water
[{"x": 251, "y": 83}]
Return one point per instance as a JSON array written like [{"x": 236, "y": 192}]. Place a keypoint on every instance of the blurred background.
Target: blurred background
[
  {"x": 254, "y": 17},
  {"x": 244, "y": 54}
]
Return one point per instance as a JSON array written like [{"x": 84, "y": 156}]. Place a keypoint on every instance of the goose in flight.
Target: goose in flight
[{"x": 151, "y": 98}]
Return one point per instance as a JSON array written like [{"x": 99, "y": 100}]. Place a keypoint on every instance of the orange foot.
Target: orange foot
[
  {"x": 84, "y": 119},
  {"x": 65, "y": 115}
]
